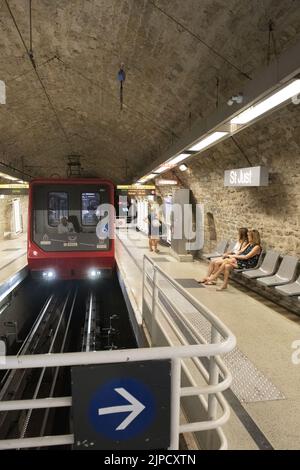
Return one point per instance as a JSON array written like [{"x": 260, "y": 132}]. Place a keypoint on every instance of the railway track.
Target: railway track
[{"x": 74, "y": 317}]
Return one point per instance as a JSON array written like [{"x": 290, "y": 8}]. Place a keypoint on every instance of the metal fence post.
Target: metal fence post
[
  {"x": 175, "y": 402},
  {"x": 153, "y": 308},
  {"x": 143, "y": 286},
  {"x": 213, "y": 380}
]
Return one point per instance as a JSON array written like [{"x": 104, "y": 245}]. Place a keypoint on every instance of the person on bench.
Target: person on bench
[
  {"x": 247, "y": 260},
  {"x": 241, "y": 244}
]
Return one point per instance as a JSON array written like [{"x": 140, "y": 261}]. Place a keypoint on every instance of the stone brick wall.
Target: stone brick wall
[
  {"x": 6, "y": 212},
  {"x": 273, "y": 210}
]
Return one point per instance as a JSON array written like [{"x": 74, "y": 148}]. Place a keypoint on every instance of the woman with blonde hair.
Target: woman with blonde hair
[
  {"x": 238, "y": 249},
  {"x": 246, "y": 260}
]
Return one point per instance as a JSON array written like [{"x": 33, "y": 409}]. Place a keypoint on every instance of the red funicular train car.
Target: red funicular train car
[{"x": 70, "y": 229}]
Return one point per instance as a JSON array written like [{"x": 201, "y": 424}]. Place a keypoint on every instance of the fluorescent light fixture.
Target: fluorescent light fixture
[
  {"x": 267, "y": 104},
  {"x": 208, "y": 141},
  {"x": 183, "y": 167},
  {"x": 162, "y": 169},
  {"x": 150, "y": 177},
  {"x": 163, "y": 182},
  {"x": 178, "y": 159},
  {"x": 8, "y": 177}
]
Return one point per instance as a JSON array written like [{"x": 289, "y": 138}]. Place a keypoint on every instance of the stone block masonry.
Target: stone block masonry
[{"x": 274, "y": 210}]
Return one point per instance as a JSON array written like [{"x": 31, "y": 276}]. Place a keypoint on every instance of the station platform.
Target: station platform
[
  {"x": 13, "y": 257},
  {"x": 264, "y": 396},
  {"x": 13, "y": 264}
]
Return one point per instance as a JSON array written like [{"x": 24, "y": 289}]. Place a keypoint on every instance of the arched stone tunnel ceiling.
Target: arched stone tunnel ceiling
[{"x": 78, "y": 46}]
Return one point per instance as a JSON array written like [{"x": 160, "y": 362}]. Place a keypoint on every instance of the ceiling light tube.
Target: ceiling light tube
[
  {"x": 269, "y": 103},
  {"x": 8, "y": 177},
  {"x": 178, "y": 159},
  {"x": 207, "y": 141},
  {"x": 149, "y": 177},
  {"x": 162, "y": 169}
]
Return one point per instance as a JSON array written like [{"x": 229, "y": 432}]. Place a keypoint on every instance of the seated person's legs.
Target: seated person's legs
[{"x": 213, "y": 267}]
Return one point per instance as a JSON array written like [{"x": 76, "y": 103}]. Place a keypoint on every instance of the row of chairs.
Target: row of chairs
[{"x": 273, "y": 270}]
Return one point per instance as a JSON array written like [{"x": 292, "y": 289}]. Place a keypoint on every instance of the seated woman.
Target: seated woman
[
  {"x": 238, "y": 249},
  {"x": 247, "y": 260}
]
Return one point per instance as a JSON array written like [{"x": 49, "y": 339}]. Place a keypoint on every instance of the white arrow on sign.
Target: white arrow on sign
[{"x": 136, "y": 407}]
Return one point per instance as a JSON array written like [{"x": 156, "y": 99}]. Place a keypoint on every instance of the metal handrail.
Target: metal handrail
[
  {"x": 174, "y": 353},
  {"x": 222, "y": 341},
  {"x": 208, "y": 314},
  {"x": 106, "y": 357}
]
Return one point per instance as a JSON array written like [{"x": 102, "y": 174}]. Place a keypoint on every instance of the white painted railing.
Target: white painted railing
[
  {"x": 216, "y": 378},
  {"x": 165, "y": 304}
]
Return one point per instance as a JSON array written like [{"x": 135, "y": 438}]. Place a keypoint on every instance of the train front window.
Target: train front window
[
  {"x": 65, "y": 217},
  {"x": 57, "y": 208},
  {"x": 89, "y": 204}
]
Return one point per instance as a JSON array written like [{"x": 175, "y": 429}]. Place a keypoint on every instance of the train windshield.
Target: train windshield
[{"x": 71, "y": 217}]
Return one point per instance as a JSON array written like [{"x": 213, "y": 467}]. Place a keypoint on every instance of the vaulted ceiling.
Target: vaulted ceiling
[{"x": 65, "y": 100}]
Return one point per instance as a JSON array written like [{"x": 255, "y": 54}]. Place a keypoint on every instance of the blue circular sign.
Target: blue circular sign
[{"x": 122, "y": 409}]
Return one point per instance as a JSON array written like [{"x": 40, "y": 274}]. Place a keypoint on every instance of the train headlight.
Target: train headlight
[
  {"x": 49, "y": 275},
  {"x": 94, "y": 273}
]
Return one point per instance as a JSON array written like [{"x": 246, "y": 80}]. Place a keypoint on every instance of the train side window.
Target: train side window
[
  {"x": 89, "y": 204},
  {"x": 58, "y": 207}
]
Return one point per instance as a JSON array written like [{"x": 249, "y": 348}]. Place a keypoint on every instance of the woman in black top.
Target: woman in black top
[{"x": 246, "y": 260}]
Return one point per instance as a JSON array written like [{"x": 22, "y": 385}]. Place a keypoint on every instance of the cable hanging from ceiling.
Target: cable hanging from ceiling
[
  {"x": 30, "y": 37},
  {"x": 30, "y": 56},
  {"x": 271, "y": 41},
  {"x": 121, "y": 78},
  {"x": 212, "y": 49}
]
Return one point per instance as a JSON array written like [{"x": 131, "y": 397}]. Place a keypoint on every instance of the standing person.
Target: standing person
[
  {"x": 238, "y": 249},
  {"x": 153, "y": 229}
]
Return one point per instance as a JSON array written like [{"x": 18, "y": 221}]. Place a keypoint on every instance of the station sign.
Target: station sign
[
  {"x": 136, "y": 190},
  {"x": 122, "y": 406},
  {"x": 246, "y": 177},
  {"x": 14, "y": 188}
]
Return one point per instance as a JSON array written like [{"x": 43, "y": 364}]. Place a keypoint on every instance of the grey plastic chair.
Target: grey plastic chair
[
  {"x": 230, "y": 246},
  {"x": 290, "y": 289},
  {"x": 268, "y": 267},
  {"x": 285, "y": 274},
  {"x": 219, "y": 251}
]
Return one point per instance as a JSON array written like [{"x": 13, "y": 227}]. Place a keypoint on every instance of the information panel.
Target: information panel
[
  {"x": 122, "y": 406},
  {"x": 247, "y": 177}
]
